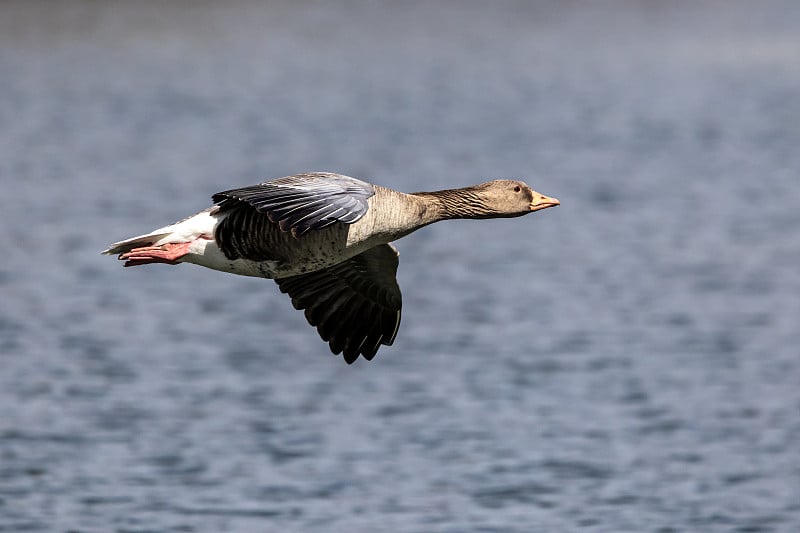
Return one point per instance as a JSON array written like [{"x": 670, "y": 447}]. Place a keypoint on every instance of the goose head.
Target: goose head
[{"x": 508, "y": 198}]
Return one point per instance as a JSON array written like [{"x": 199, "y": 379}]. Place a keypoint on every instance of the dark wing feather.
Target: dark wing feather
[
  {"x": 355, "y": 305},
  {"x": 304, "y": 202}
]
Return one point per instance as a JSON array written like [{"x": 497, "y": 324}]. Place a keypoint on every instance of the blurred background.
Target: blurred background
[{"x": 625, "y": 362}]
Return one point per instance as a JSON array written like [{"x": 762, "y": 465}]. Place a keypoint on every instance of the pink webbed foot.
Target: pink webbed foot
[{"x": 166, "y": 253}]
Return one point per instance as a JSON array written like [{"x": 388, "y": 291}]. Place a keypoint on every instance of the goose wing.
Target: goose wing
[
  {"x": 304, "y": 202},
  {"x": 355, "y": 305}
]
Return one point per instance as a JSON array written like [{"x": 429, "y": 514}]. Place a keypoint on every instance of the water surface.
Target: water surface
[{"x": 626, "y": 362}]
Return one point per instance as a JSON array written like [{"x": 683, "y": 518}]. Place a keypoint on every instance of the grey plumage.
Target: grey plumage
[
  {"x": 324, "y": 238},
  {"x": 355, "y": 305},
  {"x": 303, "y": 202}
]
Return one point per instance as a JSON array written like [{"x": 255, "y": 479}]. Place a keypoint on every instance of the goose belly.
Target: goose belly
[
  {"x": 312, "y": 251},
  {"x": 205, "y": 252}
]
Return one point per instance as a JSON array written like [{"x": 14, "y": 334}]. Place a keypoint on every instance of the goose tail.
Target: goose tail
[
  {"x": 199, "y": 225},
  {"x": 127, "y": 245}
]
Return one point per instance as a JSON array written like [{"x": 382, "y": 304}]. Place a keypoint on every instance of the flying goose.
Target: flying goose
[{"x": 325, "y": 240}]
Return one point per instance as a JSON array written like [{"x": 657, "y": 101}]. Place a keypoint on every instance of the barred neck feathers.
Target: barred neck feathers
[{"x": 494, "y": 199}]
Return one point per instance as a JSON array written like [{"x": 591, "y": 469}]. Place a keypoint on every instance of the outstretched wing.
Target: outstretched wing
[
  {"x": 304, "y": 202},
  {"x": 355, "y": 305}
]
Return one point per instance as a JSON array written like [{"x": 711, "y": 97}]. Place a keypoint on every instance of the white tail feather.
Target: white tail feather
[
  {"x": 187, "y": 230},
  {"x": 134, "y": 242}
]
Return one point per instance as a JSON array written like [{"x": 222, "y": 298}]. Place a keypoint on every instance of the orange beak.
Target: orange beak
[{"x": 541, "y": 201}]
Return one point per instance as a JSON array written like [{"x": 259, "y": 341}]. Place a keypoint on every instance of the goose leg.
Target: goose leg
[{"x": 166, "y": 253}]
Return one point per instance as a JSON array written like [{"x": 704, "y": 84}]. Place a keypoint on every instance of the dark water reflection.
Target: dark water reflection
[{"x": 627, "y": 362}]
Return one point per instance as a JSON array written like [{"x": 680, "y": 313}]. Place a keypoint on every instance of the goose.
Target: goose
[{"x": 325, "y": 239}]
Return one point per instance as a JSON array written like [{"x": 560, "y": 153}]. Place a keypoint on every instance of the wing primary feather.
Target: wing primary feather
[
  {"x": 355, "y": 305},
  {"x": 320, "y": 199}
]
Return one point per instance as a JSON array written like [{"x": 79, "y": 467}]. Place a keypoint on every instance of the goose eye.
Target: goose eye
[{"x": 517, "y": 188}]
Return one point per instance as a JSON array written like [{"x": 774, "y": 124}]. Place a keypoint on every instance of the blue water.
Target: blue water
[{"x": 628, "y": 361}]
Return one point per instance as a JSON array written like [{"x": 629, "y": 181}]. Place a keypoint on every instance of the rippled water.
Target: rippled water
[{"x": 626, "y": 362}]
